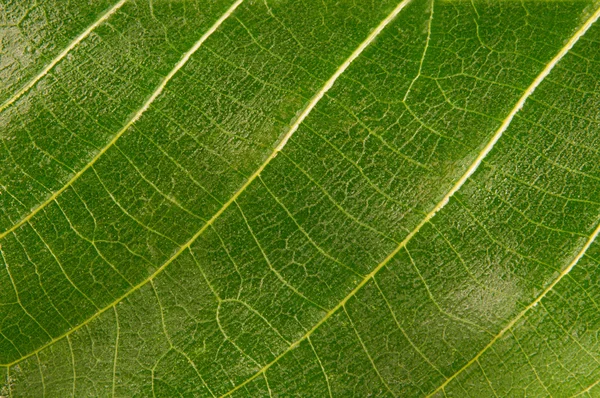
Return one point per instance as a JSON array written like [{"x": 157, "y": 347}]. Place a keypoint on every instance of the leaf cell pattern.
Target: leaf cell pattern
[{"x": 299, "y": 198}]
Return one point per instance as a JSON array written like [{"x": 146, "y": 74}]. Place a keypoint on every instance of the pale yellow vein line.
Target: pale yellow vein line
[
  {"x": 60, "y": 56},
  {"x": 73, "y": 367},
  {"x": 322, "y": 367},
  {"x": 429, "y": 23},
  {"x": 484, "y": 152},
  {"x": 8, "y": 378},
  {"x": 366, "y": 351},
  {"x": 131, "y": 121},
  {"x": 587, "y": 390},
  {"x": 525, "y": 310},
  {"x": 39, "y": 363},
  {"x": 341, "y": 70},
  {"x": 584, "y": 28},
  {"x": 328, "y": 84}
]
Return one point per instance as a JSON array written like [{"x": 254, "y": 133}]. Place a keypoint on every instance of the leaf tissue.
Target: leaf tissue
[{"x": 299, "y": 198}]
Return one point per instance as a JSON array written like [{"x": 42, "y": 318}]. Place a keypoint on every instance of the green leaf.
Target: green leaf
[{"x": 299, "y": 198}]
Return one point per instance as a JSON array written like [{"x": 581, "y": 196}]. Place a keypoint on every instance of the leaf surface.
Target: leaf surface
[{"x": 299, "y": 198}]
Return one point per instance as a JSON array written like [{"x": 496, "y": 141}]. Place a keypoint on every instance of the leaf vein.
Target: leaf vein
[
  {"x": 62, "y": 54},
  {"x": 472, "y": 168},
  {"x": 305, "y": 112},
  {"x": 131, "y": 121}
]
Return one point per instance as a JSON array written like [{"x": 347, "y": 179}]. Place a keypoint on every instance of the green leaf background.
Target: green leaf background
[{"x": 306, "y": 198}]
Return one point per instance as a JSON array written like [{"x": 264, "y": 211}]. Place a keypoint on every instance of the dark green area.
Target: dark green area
[{"x": 143, "y": 255}]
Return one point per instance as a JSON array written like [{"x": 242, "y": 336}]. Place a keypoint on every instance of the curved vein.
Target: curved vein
[
  {"x": 579, "y": 255},
  {"x": 472, "y": 168},
  {"x": 521, "y": 314},
  {"x": 305, "y": 112},
  {"x": 60, "y": 56},
  {"x": 131, "y": 121}
]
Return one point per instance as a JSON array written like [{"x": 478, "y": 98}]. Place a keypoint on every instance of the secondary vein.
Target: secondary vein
[
  {"x": 484, "y": 152},
  {"x": 159, "y": 89},
  {"x": 293, "y": 128},
  {"x": 60, "y": 56},
  {"x": 584, "y": 28}
]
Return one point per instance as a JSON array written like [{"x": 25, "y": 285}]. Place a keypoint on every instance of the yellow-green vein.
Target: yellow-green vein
[
  {"x": 294, "y": 126},
  {"x": 131, "y": 121},
  {"x": 472, "y": 168}
]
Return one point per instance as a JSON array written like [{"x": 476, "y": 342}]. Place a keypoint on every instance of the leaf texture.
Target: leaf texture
[{"x": 299, "y": 198}]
